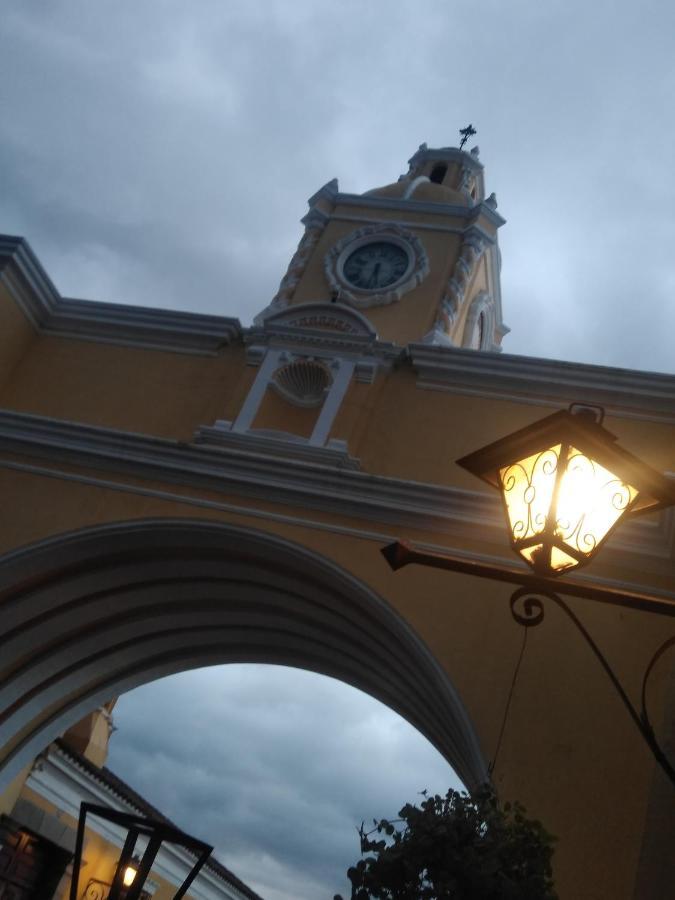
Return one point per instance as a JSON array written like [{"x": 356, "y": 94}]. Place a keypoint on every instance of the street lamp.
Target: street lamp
[
  {"x": 566, "y": 485},
  {"x": 131, "y": 872}
]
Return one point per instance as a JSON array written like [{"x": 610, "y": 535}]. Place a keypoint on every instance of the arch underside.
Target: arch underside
[{"x": 92, "y": 614}]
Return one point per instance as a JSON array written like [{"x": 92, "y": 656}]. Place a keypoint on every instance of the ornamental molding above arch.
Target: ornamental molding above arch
[
  {"x": 92, "y": 614},
  {"x": 323, "y": 317}
]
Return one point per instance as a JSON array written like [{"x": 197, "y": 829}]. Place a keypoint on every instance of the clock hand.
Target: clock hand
[{"x": 374, "y": 278}]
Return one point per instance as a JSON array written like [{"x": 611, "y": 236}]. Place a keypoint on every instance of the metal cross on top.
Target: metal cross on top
[{"x": 466, "y": 133}]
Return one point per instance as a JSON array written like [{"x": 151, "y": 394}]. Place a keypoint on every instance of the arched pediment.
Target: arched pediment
[
  {"x": 94, "y": 613},
  {"x": 322, "y": 317},
  {"x": 479, "y": 325}
]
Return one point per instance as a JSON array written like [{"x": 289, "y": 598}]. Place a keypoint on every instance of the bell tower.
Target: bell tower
[{"x": 418, "y": 259}]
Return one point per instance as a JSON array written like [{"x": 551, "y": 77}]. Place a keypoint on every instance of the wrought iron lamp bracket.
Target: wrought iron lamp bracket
[
  {"x": 528, "y": 609},
  {"x": 532, "y": 614}
]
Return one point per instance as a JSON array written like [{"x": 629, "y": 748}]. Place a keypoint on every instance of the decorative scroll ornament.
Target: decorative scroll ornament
[
  {"x": 296, "y": 267},
  {"x": 415, "y": 272},
  {"x": 322, "y": 316},
  {"x": 527, "y": 608},
  {"x": 303, "y": 382},
  {"x": 96, "y": 890},
  {"x": 566, "y": 484},
  {"x": 572, "y": 511},
  {"x": 463, "y": 272}
]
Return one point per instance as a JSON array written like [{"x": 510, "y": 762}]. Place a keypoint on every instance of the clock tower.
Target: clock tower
[{"x": 418, "y": 258}]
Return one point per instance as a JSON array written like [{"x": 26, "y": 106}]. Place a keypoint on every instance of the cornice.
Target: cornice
[
  {"x": 328, "y": 191},
  {"x": 448, "y": 154},
  {"x": 30, "y": 286},
  {"x": 398, "y": 204},
  {"x": 627, "y": 393},
  {"x": 333, "y": 454},
  {"x": 352, "y": 345},
  {"x": 327, "y": 479}
]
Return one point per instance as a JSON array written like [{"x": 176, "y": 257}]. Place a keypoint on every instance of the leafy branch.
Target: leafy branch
[{"x": 456, "y": 847}]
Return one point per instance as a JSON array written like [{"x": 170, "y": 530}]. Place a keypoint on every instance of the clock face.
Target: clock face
[{"x": 376, "y": 265}]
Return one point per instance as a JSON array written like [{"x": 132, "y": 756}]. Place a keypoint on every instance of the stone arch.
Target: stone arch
[{"x": 94, "y": 613}]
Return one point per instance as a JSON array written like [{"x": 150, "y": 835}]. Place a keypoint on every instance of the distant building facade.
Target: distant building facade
[
  {"x": 38, "y": 828},
  {"x": 178, "y": 491}
]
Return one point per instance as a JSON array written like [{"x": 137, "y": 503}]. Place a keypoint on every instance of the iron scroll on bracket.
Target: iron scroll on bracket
[
  {"x": 528, "y": 610},
  {"x": 532, "y": 614}
]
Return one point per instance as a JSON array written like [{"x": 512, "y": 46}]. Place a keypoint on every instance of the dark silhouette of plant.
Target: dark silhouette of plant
[{"x": 457, "y": 847}]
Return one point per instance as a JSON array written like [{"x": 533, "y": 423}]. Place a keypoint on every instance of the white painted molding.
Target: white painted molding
[
  {"x": 399, "y": 205},
  {"x": 295, "y": 474},
  {"x": 279, "y": 445},
  {"x": 413, "y": 184},
  {"x": 481, "y": 305},
  {"x": 625, "y": 393},
  {"x": 183, "y": 332},
  {"x": 323, "y": 317},
  {"x": 269, "y": 363},
  {"x": 328, "y": 191}
]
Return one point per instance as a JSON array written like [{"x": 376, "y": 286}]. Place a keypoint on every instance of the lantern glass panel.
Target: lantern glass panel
[
  {"x": 590, "y": 501},
  {"x": 561, "y": 560},
  {"x": 532, "y": 554},
  {"x": 528, "y": 487}
]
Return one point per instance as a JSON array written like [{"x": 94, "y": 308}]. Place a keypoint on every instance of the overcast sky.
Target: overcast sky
[
  {"x": 161, "y": 153},
  {"x": 275, "y": 767}
]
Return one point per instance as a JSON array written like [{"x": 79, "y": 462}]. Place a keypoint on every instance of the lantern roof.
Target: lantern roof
[{"x": 580, "y": 429}]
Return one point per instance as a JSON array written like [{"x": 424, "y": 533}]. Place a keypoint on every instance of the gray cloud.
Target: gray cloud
[
  {"x": 275, "y": 766},
  {"x": 161, "y": 155}
]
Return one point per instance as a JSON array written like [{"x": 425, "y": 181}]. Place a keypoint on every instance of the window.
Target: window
[{"x": 438, "y": 173}]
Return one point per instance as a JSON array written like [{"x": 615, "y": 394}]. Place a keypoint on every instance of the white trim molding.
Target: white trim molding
[
  {"x": 626, "y": 393},
  {"x": 159, "y": 329},
  {"x": 264, "y": 466},
  {"x": 481, "y": 305},
  {"x": 296, "y": 608}
]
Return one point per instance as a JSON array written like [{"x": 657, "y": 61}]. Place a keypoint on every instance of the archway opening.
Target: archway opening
[
  {"x": 91, "y": 615},
  {"x": 275, "y": 766}
]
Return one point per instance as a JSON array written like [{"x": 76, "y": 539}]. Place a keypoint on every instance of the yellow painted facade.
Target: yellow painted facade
[{"x": 114, "y": 424}]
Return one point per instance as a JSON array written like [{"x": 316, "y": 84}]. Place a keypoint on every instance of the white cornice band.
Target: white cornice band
[
  {"x": 628, "y": 394},
  {"x": 398, "y": 204},
  {"x": 324, "y": 479},
  {"x": 30, "y": 286}
]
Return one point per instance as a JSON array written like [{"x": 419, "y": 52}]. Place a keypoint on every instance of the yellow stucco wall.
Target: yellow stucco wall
[{"x": 569, "y": 751}]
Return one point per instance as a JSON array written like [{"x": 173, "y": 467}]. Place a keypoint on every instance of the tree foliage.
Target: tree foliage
[{"x": 457, "y": 847}]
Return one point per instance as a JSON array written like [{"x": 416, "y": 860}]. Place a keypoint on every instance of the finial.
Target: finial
[{"x": 466, "y": 133}]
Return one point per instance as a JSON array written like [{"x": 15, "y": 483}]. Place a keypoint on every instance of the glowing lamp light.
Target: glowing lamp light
[
  {"x": 130, "y": 873},
  {"x": 566, "y": 485}
]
